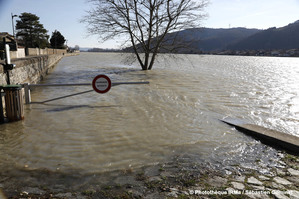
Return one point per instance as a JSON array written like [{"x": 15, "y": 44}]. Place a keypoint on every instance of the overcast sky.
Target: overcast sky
[{"x": 64, "y": 16}]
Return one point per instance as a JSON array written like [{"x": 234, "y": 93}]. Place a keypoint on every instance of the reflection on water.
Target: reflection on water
[{"x": 137, "y": 125}]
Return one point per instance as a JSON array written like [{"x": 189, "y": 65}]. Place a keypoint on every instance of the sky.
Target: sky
[{"x": 64, "y": 16}]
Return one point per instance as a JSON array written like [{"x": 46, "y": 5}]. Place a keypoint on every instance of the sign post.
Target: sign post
[
  {"x": 7, "y": 66},
  {"x": 101, "y": 84}
]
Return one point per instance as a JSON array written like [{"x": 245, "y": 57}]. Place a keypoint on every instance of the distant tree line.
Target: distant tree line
[
  {"x": 74, "y": 49},
  {"x": 103, "y": 50}
]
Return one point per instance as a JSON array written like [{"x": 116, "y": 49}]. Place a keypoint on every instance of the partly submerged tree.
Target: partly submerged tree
[
  {"x": 30, "y": 32},
  {"x": 143, "y": 23},
  {"x": 57, "y": 40}
]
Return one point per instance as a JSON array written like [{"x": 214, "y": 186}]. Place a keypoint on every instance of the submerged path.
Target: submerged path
[{"x": 268, "y": 136}]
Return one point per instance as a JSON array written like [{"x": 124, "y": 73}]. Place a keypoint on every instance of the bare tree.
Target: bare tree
[{"x": 144, "y": 23}]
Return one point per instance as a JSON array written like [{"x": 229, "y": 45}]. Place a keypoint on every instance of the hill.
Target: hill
[
  {"x": 284, "y": 38},
  {"x": 208, "y": 39},
  {"x": 198, "y": 40}
]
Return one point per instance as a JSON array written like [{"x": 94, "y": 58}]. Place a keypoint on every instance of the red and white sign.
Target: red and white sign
[{"x": 101, "y": 84}]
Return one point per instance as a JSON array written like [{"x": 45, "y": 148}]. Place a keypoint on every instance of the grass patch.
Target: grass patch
[{"x": 88, "y": 192}]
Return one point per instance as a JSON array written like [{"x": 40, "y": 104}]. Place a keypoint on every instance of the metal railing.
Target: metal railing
[{"x": 27, "y": 88}]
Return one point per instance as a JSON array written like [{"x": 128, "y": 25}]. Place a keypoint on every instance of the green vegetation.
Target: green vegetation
[
  {"x": 57, "y": 40},
  {"x": 30, "y": 32}
]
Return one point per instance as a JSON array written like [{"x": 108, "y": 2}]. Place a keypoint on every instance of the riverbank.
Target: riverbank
[
  {"x": 179, "y": 178},
  {"x": 31, "y": 69},
  {"x": 157, "y": 141}
]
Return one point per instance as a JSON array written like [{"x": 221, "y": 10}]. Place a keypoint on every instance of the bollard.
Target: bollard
[
  {"x": 13, "y": 102},
  {"x": 27, "y": 93},
  {"x": 1, "y": 107}
]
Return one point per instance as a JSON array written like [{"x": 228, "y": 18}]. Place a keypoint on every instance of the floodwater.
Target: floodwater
[{"x": 138, "y": 125}]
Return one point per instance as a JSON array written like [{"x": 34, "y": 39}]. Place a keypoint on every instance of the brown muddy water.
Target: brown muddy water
[{"x": 140, "y": 125}]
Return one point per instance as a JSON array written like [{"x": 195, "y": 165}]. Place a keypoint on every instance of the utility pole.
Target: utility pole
[{"x": 56, "y": 41}]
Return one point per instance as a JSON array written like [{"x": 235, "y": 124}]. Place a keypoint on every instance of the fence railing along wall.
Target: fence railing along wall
[
  {"x": 46, "y": 51},
  {"x": 21, "y": 52}
]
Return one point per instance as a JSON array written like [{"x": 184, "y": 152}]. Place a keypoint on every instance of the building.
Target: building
[{"x": 15, "y": 50}]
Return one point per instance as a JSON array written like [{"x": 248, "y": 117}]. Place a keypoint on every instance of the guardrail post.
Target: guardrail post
[{"x": 27, "y": 93}]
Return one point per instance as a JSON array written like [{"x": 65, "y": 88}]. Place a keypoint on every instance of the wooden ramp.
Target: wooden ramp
[{"x": 276, "y": 139}]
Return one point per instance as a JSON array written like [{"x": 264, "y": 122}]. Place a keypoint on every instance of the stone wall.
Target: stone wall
[{"x": 31, "y": 69}]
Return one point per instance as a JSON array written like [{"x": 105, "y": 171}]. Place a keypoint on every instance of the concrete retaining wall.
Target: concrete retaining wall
[
  {"x": 31, "y": 69},
  {"x": 20, "y": 53},
  {"x": 46, "y": 51}
]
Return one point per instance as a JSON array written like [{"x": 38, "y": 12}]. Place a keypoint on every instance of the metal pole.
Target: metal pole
[
  {"x": 121, "y": 83},
  {"x": 57, "y": 85},
  {"x": 27, "y": 88},
  {"x": 82, "y": 84},
  {"x": 58, "y": 98},
  {"x": 1, "y": 108},
  {"x": 8, "y": 78},
  {"x": 13, "y": 26},
  {"x": 55, "y": 41},
  {"x": 6, "y": 61}
]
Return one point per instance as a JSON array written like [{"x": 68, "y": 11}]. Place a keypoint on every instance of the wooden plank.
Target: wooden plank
[
  {"x": 9, "y": 109},
  {"x": 21, "y": 104}
]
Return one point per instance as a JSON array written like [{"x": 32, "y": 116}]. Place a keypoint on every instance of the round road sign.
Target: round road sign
[{"x": 101, "y": 84}]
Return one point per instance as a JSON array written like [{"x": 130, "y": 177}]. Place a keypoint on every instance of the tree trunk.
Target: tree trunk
[{"x": 152, "y": 61}]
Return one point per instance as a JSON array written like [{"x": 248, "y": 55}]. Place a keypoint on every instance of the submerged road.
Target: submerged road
[{"x": 271, "y": 137}]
